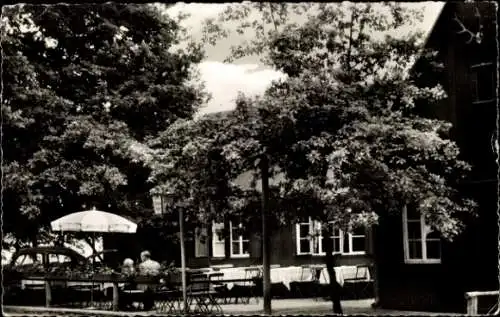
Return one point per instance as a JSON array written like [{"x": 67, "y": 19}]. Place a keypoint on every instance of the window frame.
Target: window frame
[
  {"x": 216, "y": 241},
  {"x": 337, "y": 233},
  {"x": 424, "y": 231},
  {"x": 58, "y": 257},
  {"x": 240, "y": 242},
  {"x": 197, "y": 251},
  {"x": 299, "y": 238},
  {"x": 474, "y": 71},
  {"x": 33, "y": 258},
  {"x": 350, "y": 237}
]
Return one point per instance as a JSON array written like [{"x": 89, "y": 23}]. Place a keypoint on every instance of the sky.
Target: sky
[{"x": 224, "y": 80}]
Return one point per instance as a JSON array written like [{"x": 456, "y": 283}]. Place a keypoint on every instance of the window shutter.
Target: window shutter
[
  {"x": 218, "y": 243},
  {"x": 201, "y": 243}
]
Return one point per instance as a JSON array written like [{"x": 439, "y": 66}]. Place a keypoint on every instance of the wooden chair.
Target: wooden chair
[
  {"x": 360, "y": 283},
  {"x": 202, "y": 295},
  {"x": 219, "y": 287},
  {"x": 315, "y": 271},
  {"x": 168, "y": 301},
  {"x": 249, "y": 286}
]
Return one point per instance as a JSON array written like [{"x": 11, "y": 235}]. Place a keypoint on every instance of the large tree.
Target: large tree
[
  {"x": 344, "y": 126},
  {"x": 83, "y": 86}
]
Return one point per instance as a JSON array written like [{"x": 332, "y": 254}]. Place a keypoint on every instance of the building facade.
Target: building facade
[
  {"x": 297, "y": 244},
  {"x": 416, "y": 269}
]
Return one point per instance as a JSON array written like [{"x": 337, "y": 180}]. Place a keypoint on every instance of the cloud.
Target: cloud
[
  {"x": 197, "y": 11},
  {"x": 224, "y": 81}
]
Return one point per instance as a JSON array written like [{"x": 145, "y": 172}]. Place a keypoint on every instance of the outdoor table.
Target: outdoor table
[
  {"x": 215, "y": 276},
  {"x": 341, "y": 274},
  {"x": 114, "y": 280},
  {"x": 246, "y": 281},
  {"x": 312, "y": 272},
  {"x": 198, "y": 270}
]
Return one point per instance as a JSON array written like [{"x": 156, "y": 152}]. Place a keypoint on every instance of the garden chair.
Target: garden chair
[
  {"x": 314, "y": 285},
  {"x": 202, "y": 295},
  {"x": 219, "y": 287},
  {"x": 168, "y": 300},
  {"x": 361, "y": 282}
]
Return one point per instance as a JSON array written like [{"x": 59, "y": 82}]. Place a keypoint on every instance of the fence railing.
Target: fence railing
[{"x": 472, "y": 301}]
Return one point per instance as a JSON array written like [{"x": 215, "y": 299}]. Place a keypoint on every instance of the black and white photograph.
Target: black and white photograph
[{"x": 250, "y": 158}]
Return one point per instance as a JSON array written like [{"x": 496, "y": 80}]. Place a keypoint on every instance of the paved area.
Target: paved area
[{"x": 279, "y": 306}]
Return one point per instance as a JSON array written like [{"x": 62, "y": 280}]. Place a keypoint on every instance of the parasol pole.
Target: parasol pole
[{"x": 93, "y": 273}]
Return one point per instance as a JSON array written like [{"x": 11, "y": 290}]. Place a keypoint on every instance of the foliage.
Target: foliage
[
  {"x": 344, "y": 125},
  {"x": 87, "y": 84}
]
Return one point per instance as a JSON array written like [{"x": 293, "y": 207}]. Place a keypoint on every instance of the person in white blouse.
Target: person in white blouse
[
  {"x": 148, "y": 266},
  {"x": 151, "y": 268}
]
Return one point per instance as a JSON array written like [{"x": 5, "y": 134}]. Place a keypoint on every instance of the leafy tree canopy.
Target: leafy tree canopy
[
  {"x": 343, "y": 126},
  {"x": 87, "y": 84}
]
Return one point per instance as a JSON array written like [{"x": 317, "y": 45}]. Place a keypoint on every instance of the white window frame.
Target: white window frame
[
  {"x": 314, "y": 224},
  {"x": 298, "y": 238},
  {"x": 424, "y": 230},
  {"x": 240, "y": 240},
  {"x": 198, "y": 232},
  {"x": 476, "y": 66},
  {"x": 351, "y": 235},
  {"x": 217, "y": 242}
]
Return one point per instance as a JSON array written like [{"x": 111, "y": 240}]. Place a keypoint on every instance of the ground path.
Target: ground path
[{"x": 280, "y": 307}]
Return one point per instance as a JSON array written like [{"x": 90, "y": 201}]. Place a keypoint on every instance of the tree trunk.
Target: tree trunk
[
  {"x": 335, "y": 288},
  {"x": 266, "y": 248},
  {"x": 60, "y": 240},
  {"x": 34, "y": 241}
]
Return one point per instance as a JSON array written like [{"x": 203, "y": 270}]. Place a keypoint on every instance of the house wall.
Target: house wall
[
  {"x": 470, "y": 262},
  {"x": 426, "y": 287},
  {"x": 283, "y": 252}
]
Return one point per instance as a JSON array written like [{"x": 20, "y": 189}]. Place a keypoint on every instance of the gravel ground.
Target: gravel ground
[{"x": 279, "y": 306}]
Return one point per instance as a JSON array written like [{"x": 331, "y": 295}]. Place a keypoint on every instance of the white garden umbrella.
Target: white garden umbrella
[{"x": 93, "y": 221}]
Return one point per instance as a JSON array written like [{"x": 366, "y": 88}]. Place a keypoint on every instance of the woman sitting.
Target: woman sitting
[{"x": 128, "y": 269}]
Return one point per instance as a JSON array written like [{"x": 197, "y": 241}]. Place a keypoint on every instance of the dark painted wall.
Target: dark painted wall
[
  {"x": 470, "y": 262},
  {"x": 284, "y": 252}
]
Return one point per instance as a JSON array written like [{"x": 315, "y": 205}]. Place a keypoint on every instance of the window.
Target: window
[
  {"x": 357, "y": 240},
  {"x": 421, "y": 245},
  {"x": 482, "y": 79},
  {"x": 310, "y": 239},
  {"x": 200, "y": 243},
  {"x": 23, "y": 260},
  {"x": 58, "y": 258},
  {"x": 239, "y": 241},
  {"x": 218, "y": 243},
  {"x": 28, "y": 259},
  {"x": 303, "y": 238}
]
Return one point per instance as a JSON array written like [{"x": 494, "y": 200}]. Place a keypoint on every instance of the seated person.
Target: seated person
[
  {"x": 128, "y": 270},
  {"x": 128, "y": 267},
  {"x": 152, "y": 268},
  {"x": 148, "y": 266}
]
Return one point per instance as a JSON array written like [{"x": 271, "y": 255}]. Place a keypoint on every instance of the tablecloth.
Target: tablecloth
[
  {"x": 342, "y": 273},
  {"x": 289, "y": 274}
]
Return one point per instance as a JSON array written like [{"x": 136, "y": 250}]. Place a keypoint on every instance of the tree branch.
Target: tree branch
[
  {"x": 465, "y": 30},
  {"x": 272, "y": 17},
  {"x": 350, "y": 43}
]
